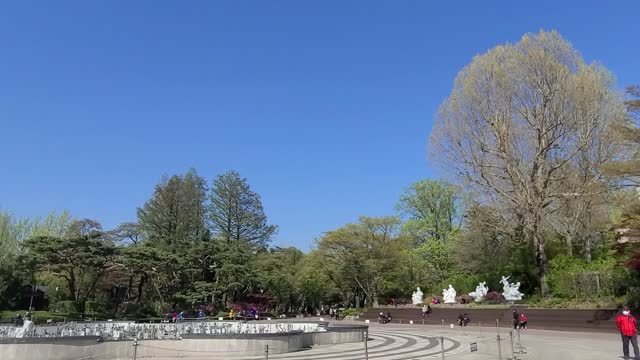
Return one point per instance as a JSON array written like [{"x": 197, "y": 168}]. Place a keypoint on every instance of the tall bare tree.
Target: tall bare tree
[
  {"x": 628, "y": 170},
  {"x": 522, "y": 122}
]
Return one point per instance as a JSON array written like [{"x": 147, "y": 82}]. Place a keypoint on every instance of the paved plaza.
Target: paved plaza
[{"x": 409, "y": 342}]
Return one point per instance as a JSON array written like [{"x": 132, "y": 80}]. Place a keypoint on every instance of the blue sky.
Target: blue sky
[{"x": 325, "y": 106}]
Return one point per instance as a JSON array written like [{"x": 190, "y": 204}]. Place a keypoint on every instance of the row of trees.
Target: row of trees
[{"x": 542, "y": 155}]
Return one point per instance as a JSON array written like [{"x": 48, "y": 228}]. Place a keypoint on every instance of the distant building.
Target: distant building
[{"x": 40, "y": 297}]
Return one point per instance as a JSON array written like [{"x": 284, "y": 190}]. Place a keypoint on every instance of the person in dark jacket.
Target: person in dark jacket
[
  {"x": 426, "y": 310},
  {"x": 626, "y": 324},
  {"x": 516, "y": 319},
  {"x": 19, "y": 321}
]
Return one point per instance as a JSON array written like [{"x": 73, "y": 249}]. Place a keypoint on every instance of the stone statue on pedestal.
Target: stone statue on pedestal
[
  {"x": 481, "y": 292},
  {"x": 416, "y": 297},
  {"x": 510, "y": 291},
  {"x": 449, "y": 295}
]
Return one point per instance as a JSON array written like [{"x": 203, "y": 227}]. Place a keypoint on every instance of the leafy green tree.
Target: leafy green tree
[
  {"x": 139, "y": 263},
  {"x": 236, "y": 213},
  {"x": 80, "y": 260},
  {"x": 365, "y": 252},
  {"x": 53, "y": 224},
  {"x": 431, "y": 210},
  {"x": 275, "y": 271},
  {"x": 234, "y": 273},
  {"x": 313, "y": 281},
  {"x": 15, "y": 265},
  {"x": 127, "y": 233}
]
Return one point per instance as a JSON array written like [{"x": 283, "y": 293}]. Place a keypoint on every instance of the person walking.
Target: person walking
[{"x": 626, "y": 324}]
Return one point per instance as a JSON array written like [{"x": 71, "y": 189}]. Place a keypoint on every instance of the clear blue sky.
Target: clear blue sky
[{"x": 325, "y": 106}]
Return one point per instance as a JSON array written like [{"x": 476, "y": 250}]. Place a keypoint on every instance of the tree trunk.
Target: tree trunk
[
  {"x": 374, "y": 299},
  {"x": 71, "y": 280},
  {"x": 588, "y": 248},
  {"x": 542, "y": 263},
  {"x": 569, "y": 241},
  {"x": 143, "y": 279}
]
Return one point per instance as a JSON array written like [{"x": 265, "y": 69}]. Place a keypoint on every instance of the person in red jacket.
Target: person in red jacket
[{"x": 627, "y": 326}]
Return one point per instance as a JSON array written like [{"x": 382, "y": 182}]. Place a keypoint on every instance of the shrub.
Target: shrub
[
  {"x": 351, "y": 312},
  {"x": 570, "y": 277},
  {"x": 633, "y": 297},
  {"x": 65, "y": 307},
  {"x": 467, "y": 299},
  {"x": 94, "y": 307},
  {"x": 494, "y": 297}
]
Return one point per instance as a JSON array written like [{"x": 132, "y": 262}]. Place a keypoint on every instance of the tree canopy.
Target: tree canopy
[{"x": 540, "y": 153}]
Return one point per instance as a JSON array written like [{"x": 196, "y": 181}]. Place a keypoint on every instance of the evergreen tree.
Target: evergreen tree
[{"x": 236, "y": 213}]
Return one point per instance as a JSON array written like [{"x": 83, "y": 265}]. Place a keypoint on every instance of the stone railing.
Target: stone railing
[{"x": 131, "y": 330}]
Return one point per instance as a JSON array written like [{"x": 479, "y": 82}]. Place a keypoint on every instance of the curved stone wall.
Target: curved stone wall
[{"x": 189, "y": 345}]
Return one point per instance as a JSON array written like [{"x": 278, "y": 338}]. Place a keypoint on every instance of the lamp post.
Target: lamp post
[{"x": 34, "y": 288}]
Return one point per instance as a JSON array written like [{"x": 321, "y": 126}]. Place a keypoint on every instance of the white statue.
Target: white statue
[
  {"x": 26, "y": 329},
  {"x": 510, "y": 291},
  {"x": 416, "y": 297},
  {"x": 449, "y": 295},
  {"x": 481, "y": 292}
]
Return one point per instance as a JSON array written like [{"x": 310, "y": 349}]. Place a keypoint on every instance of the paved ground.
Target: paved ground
[
  {"x": 593, "y": 320},
  {"x": 407, "y": 342}
]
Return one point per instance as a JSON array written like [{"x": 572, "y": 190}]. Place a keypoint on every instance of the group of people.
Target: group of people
[
  {"x": 336, "y": 314},
  {"x": 463, "y": 319},
  {"x": 174, "y": 315},
  {"x": 19, "y": 319},
  {"x": 384, "y": 319},
  {"x": 519, "y": 320}
]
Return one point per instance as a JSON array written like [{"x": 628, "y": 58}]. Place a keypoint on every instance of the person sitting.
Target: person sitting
[
  {"x": 463, "y": 301},
  {"x": 382, "y": 319},
  {"x": 466, "y": 319},
  {"x": 460, "y": 319},
  {"x": 516, "y": 319},
  {"x": 389, "y": 318},
  {"x": 18, "y": 320},
  {"x": 426, "y": 310},
  {"x": 523, "y": 321}
]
